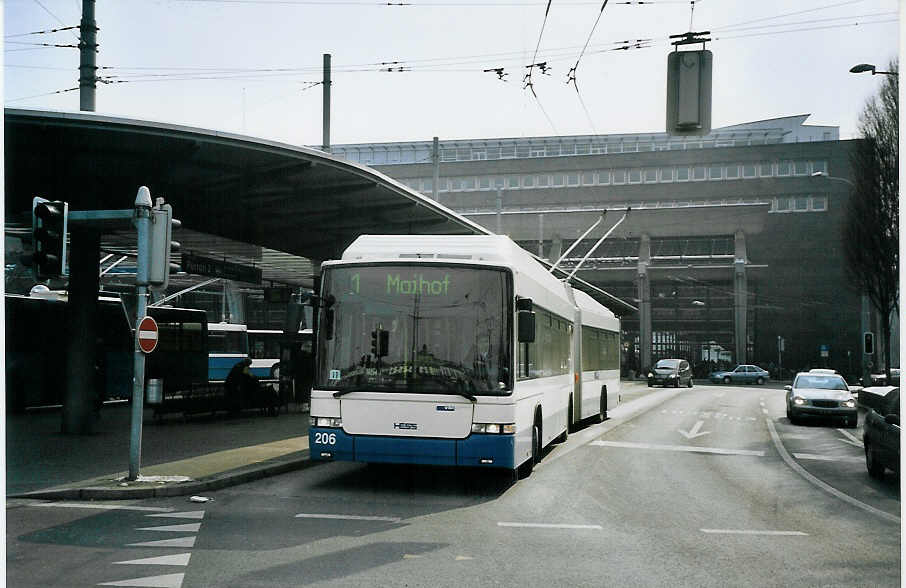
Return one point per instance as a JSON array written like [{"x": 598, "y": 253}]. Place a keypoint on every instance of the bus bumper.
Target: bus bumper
[{"x": 496, "y": 451}]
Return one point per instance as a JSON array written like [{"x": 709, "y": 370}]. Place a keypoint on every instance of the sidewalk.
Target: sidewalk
[
  {"x": 179, "y": 456},
  {"x": 210, "y": 451}
]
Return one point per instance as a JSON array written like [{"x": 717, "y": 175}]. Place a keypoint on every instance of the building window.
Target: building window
[
  {"x": 666, "y": 174},
  {"x": 543, "y": 181},
  {"x": 732, "y": 172},
  {"x": 819, "y": 166},
  {"x": 557, "y": 180},
  {"x": 801, "y": 168},
  {"x": 484, "y": 183},
  {"x": 512, "y": 182},
  {"x": 523, "y": 151},
  {"x": 427, "y": 183},
  {"x": 552, "y": 150},
  {"x": 765, "y": 169},
  {"x": 604, "y": 176},
  {"x": 443, "y": 185},
  {"x": 528, "y": 181},
  {"x": 781, "y": 204},
  {"x": 677, "y": 146},
  {"x": 630, "y": 147},
  {"x": 801, "y": 203},
  {"x": 635, "y": 176},
  {"x": 698, "y": 172},
  {"x": 819, "y": 202},
  {"x": 682, "y": 174},
  {"x": 498, "y": 182},
  {"x": 715, "y": 172},
  {"x": 748, "y": 170},
  {"x": 650, "y": 175},
  {"x": 588, "y": 178},
  {"x": 619, "y": 176},
  {"x": 507, "y": 152},
  {"x": 537, "y": 152},
  {"x": 598, "y": 148},
  {"x": 468, "y": 183},
  {"x": 463, "y": 154},
  {"x": 784, "y": 168},
  {"x": 567, "y": 149},
  {"x": 478, "y": 155},
  {"x": 645, "y": 146},
  {"x": 572, "y": 179},
  {"x": 582, "y": 149}
]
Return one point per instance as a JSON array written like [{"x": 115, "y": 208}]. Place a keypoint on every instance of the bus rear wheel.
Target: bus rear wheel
[{"x": 602, "y": 412}]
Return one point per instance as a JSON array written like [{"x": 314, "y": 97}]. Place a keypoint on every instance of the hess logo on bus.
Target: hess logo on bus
[{"x": 406, "y": 426}]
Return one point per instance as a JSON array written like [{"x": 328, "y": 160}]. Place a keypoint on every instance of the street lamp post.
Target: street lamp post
[
  {"x": 821, "y": 174},
  {"x": 864, "y": 67}
]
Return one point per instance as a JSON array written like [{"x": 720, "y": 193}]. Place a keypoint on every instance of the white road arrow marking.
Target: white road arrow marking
[
  {"x": 168, "y": 581},
  {"x": 694, "y": 431},
  {"x": 181, "y": 542},
  {"x": 189, "y": 514},
  {"x": 851, "y": 439},
  {"x": 180, "y": 559}
]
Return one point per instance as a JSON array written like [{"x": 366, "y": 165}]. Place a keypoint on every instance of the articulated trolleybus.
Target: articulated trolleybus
[{"x": 455, "y": 350}]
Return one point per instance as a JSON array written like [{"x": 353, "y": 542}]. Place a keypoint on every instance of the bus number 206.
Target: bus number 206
[{"x": 326, "y": 438}]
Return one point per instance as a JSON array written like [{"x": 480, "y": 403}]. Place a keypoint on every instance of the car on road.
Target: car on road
[
  {"x": 881, "y": 379},
  {"x": 881, "y": 435},
  {"x": 671, "y": 372},
  {"x": 743, "y": 374},
  {"x": 820, "y": 395}
]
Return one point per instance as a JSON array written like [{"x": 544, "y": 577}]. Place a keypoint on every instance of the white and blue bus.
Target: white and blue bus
[
  {"x": 264, "y": 349},
  {"x": 228, "y": 344},
  {"x": 455, "y": 350}
]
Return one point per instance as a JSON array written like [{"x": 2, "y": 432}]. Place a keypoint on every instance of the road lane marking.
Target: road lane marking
[
  {"x": 850, "y": 438},
  {"x": 347, "y": 517},
  {"x": 821, "y": 484},
  {"x": 189, "y": 514},
  {"x": 694, "y": 431},
  {"x": 550, "y": 526},
  {"x": 685, "y": 448},
  {"x": 187, "y": 528},
  {"x": 166, "y": 581},
  {"x": 179, "y": 559},
  {"x": 180, "y": 542},
  {"x": 751, "y": 532},
  {"x": 816, "y": 457},
  {"x": 102, "y": 506}
]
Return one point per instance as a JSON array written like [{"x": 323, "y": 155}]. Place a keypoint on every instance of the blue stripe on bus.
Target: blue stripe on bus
[{"x": 337, "y": 445}]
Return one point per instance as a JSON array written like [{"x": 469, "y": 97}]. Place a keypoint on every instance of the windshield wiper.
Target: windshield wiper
[
  {"x": 344, "y": 392},
  {"x": 466, "y": 395}
]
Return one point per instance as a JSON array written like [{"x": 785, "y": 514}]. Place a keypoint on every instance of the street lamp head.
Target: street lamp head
[
  {"x": 862, "y": 68},
  {"x": 819, "y": 174}
]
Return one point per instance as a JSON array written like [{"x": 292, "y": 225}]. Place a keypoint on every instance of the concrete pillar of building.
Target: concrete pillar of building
[
  {"x": 556, "y": 247},
  {"x": 235, "y": 302},
  {"x": 541, "y": 235},
  {"x": 81, "y": 336},
  {"x": 740, "y": 297},
  {"x": 644, "y": 303},
  {"x": 499, "y": 212}
]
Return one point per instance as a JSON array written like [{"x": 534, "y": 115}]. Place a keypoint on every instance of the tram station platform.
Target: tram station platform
[{"x": 180, "y": 456}]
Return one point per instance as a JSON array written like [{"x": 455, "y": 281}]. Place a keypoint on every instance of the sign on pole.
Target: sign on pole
[{"x": 147, "y": 334}]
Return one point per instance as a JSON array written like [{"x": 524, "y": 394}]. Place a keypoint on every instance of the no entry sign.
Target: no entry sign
[{"x": 147, "y": 334}]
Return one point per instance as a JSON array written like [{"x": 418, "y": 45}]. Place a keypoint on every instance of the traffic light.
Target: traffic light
[
  {"x": 868, "y": 343},
  {"x": 162, "y": 225},
  {"x": 380, "y": 341},
  {"x": 49, "y": 225}
]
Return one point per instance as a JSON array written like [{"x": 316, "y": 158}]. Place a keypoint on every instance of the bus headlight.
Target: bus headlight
[
  {"x": 333, "y": 422},
  {"x": 494, "y": 428},
  {"x": 849, "y": 403}
]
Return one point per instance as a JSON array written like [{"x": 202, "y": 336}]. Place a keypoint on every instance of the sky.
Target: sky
[{"x": 254, "y": 66}]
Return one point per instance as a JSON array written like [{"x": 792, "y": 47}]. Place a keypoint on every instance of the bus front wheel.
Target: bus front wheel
[{"x": 525, "y": 470}]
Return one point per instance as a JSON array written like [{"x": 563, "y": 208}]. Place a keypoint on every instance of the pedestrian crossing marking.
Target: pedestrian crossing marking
[
  {"x": 191, "y": 514},
  {"x": 180, "y": 542},
  {"x": 187, "y": 528},
  {"x": 180, "y": 559},
  {"x": 165, "y": 581}
]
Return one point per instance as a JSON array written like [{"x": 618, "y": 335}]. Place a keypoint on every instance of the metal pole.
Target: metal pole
[
  {"x": 325, "y": 146},
  {"x": 601, "y": 240},
  {"x": 143, "y": 226},
  {"x": 435, "y": 154},
  {"x": 87, "y": 57}
]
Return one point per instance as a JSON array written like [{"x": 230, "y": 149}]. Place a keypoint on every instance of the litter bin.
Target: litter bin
[{"x": 154, "y": 391}]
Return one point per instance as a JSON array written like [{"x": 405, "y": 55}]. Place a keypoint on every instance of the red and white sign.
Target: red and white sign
[{"x": 147, "y": 334}]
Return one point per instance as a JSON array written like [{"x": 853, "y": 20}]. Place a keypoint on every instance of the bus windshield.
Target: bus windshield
[{"x": 415, "y": 328}]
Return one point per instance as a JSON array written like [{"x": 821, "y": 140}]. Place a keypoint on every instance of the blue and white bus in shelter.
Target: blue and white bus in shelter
[{"x": 455, "y": 350}]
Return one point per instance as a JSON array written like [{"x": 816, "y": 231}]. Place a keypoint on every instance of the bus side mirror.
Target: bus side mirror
[{"x": 526, "y": 326}]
